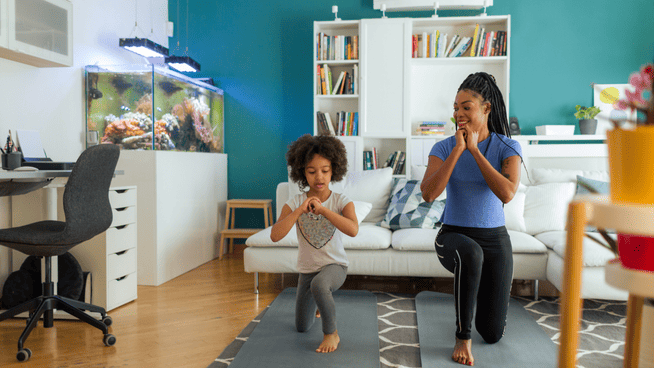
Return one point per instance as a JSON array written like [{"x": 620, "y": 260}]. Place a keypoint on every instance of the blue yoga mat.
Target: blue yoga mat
[
  {"x": 276, "y": 343},
  {"x": 524, "y": 344}
]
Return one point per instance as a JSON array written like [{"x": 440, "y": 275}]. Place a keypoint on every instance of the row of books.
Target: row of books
[
  {"x": 346, "y": 124},
  {"x": 396, "y": 161},
  {"x": 370, "y": 160},
  {"x": 437, "y": 44},
  {"x": 336, "y": 47},
  {"x": 432, "y": 128},
  {"x": 346, "y": 84}
]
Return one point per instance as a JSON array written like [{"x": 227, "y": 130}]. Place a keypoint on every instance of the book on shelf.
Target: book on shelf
[
  {"x": 339, "y": 82},
  {"x": 453, "y": 43},
  {"x": 355, "y": 79},
  {"x": 460, "y": 47},
  {"x": 367, "y": 160},
  {"x": 480, "y": 41},
  {"x": 375, "y": 161},
  {"x": 400, "y": 165},
  {"x": 475, "y": 36}
]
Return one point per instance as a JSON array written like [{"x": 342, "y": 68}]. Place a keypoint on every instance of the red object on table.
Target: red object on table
[{"x": 636, "y": 252}]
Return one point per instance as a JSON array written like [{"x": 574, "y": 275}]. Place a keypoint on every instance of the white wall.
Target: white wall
[{"x": 51, "y": 100}]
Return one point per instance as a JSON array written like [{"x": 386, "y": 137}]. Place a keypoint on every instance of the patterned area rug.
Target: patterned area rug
[{"x": 601, "y": 336}]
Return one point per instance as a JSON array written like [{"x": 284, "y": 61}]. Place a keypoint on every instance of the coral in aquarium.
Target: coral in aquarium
[
  {"x": 133, "y": 130},
  {"x": 195, "y": 132}
]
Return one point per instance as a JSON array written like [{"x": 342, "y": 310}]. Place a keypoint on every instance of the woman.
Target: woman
[{"x": 480, "y": 169}]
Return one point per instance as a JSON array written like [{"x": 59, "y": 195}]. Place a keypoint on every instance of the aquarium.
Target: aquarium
[{"x": 149, "y": 107}]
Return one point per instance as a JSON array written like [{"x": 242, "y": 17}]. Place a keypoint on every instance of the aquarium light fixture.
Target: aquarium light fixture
[
  {"x": 143, "y": 47},
  {"x": 183, "y": 63}
]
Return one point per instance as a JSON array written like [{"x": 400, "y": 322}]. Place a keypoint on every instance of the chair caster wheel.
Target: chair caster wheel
[
  {"x": 109, "y": 340},
  {"x": 24, "y": 355},
  {"x": 107, "y": 321}
]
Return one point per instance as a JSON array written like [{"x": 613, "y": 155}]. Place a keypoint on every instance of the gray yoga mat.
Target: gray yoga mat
[
  {"x": 276, "y": 343},
  {"x": 524, "y": 344}
]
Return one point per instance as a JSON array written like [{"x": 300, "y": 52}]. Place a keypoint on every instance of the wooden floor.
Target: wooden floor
[{"x": 186, "y": 322}]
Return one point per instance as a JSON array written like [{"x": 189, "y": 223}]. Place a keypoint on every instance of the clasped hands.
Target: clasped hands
[
  {"x": 312, "y": 205},
  {"x": 462, "y": 135}
]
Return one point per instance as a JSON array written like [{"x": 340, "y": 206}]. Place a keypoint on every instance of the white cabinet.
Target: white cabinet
[
  {"x": 37, "y": 32},
  {"x": 181, "y": 208},
  {"x": 112, "y": 256},
  {"x": 383, "y": 90},
  {"x": 399, "y": 92}
]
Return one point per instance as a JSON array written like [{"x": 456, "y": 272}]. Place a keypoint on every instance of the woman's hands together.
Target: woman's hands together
[{"x": 466, "y": 138}]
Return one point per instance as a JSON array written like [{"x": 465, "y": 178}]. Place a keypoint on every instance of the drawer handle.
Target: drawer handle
[
  {"x": 121, "y": 227},
  {"x": 121, "y": 252},
  {"x": 121, "y": 278},
  {"x": 121, "y": 209},
  {"x": 121, "y": 191}
]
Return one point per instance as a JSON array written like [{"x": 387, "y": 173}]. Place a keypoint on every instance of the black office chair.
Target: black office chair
[{"x": 88, "y": 213}]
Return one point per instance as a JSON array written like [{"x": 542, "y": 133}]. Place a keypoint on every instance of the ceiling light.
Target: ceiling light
[
  {"x": 143, "y": 47},
  {"x": 183, "y": 63}
]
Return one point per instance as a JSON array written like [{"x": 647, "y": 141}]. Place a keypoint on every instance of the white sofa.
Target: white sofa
[{"x": 536, "y": 219}]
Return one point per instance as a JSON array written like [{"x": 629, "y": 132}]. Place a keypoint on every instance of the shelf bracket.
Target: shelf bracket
[
  {"x": 335, "y": 11},
  {"x": 436, "y": 6},
  {"x": 485, "y": 6},
  {"x": 383, "y": 9}
]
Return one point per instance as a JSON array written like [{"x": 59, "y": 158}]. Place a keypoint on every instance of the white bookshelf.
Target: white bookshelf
[{"x": 397, "y": 91}]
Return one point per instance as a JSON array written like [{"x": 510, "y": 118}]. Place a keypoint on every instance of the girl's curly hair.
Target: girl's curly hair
[{"x": 302, "y": 151}]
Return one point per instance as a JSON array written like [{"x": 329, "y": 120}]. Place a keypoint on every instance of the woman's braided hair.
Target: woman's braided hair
[
  {"x": 483, "y": 84},
  {"x": 302, "y": 151}
]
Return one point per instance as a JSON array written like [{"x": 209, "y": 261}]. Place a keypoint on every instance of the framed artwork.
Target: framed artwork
[{"x": 604, "y": 96}]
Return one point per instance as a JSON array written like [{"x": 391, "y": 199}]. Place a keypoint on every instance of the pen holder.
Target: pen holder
[{"x": 11, "y": 161}]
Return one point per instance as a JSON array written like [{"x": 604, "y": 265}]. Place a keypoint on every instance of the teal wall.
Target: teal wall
[{"x": 260, "y": 53}]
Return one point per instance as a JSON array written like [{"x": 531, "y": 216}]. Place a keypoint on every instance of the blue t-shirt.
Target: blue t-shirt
[{"x": 470, "y": 201}]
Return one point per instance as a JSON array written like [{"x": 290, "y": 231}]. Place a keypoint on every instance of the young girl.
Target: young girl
[
  {"x": 480, "y": 167},
  {"x": 321, "y": 217}
]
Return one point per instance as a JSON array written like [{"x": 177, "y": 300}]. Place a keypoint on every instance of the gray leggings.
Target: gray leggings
[{"x": 315, "y": 289}]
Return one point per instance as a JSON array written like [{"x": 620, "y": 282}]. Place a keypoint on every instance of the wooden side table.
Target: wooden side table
[
  {"x": 599, "y": 211},
  {"x": 231, "y": 233}
]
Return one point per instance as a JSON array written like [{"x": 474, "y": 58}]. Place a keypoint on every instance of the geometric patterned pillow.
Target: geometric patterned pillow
[{"x": 408, "y": 210}]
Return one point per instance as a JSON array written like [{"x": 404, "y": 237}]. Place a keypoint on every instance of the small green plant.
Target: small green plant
[{"x": 586, "y": 112}]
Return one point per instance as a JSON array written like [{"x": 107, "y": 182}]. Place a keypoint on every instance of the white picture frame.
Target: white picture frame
[{"x": 603, "y": 122}]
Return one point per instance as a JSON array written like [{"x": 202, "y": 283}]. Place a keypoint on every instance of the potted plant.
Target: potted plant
[{"x": 586, "y": 116}]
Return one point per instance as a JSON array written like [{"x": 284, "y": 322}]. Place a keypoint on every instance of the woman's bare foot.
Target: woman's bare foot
[
  {"x": 462, "y": 353},
  {"x": 329, "y": 343}
]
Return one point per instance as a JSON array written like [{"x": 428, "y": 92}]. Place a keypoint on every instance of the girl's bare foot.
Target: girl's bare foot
[
  {"x": 317, "y": 313},
  {"x": 462, "y": 353},
  {"x": 329, "y": 343}
]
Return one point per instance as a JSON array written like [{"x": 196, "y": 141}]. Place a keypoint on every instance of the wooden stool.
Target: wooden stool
[{"x": 229, "y": 232}]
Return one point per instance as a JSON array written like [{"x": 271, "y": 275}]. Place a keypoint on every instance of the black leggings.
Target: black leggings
[{"x": 481, "y": 260}]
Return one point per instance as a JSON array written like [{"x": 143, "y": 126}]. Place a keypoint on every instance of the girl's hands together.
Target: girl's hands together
[{"x": 313, "y": 205}]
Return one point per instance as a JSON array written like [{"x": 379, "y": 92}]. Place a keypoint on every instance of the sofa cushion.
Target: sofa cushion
[
  {"x": 525, "y": 243},
  {"x": 372, "y": 186},
  {"x": 370, "y": 236},
  {"x": 544, "y": 176},
  {"x": 262, "y": 239},
  {"x": 408, "y": 210},
  {"x": 414, "y": 239},
  {"x": 362, "y": 209},
  {"x": 546, "y": 206},
  {"x": 514, "y": 212},
  {"x": 601, "y": 187},
  {"x": 594, "y": 255},
  {"x": 418, "y": 173}
]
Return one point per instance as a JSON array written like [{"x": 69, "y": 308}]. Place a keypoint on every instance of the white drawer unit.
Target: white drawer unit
[{"x": 112, "y": 256}]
